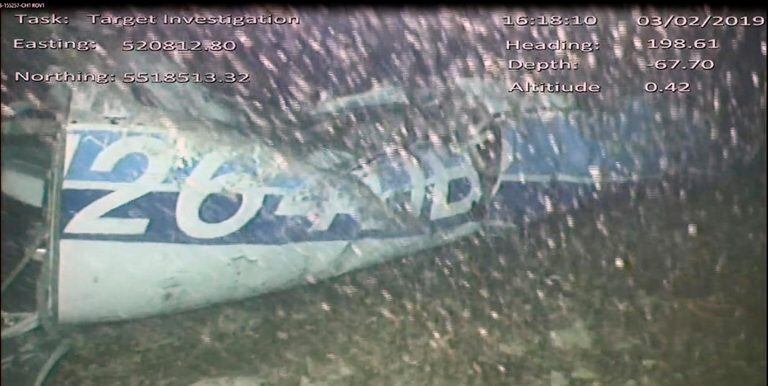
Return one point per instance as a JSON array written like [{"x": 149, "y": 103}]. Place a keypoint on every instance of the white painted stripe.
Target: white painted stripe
[
  {"x": 113, "y": 280},
  {"x": 113, "y": 186},
  {"x": 153, "y": 187},
  {"x": 526, "y": 177},
  {"x": 133, "y": 128},
  {"x": 575, "y": 179},
  {"x": 558, "y": 177}
]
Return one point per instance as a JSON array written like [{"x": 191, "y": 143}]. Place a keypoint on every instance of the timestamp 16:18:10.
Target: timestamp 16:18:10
[{"x": 522, "y": 21}]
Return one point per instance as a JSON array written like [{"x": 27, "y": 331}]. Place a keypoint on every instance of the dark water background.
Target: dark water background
[{"x": 663, "y": 286}]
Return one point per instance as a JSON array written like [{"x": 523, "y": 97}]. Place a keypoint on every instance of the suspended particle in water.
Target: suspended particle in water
[{"x": 693, "y": 230}]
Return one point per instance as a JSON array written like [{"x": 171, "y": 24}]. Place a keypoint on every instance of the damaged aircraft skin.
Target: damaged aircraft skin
[{"x": 159, "y": 203}]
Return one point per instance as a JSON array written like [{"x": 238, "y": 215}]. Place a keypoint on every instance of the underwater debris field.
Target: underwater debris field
[
  {"x": 604, "y": 238},
  {"x": 666, "y": 289}
]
